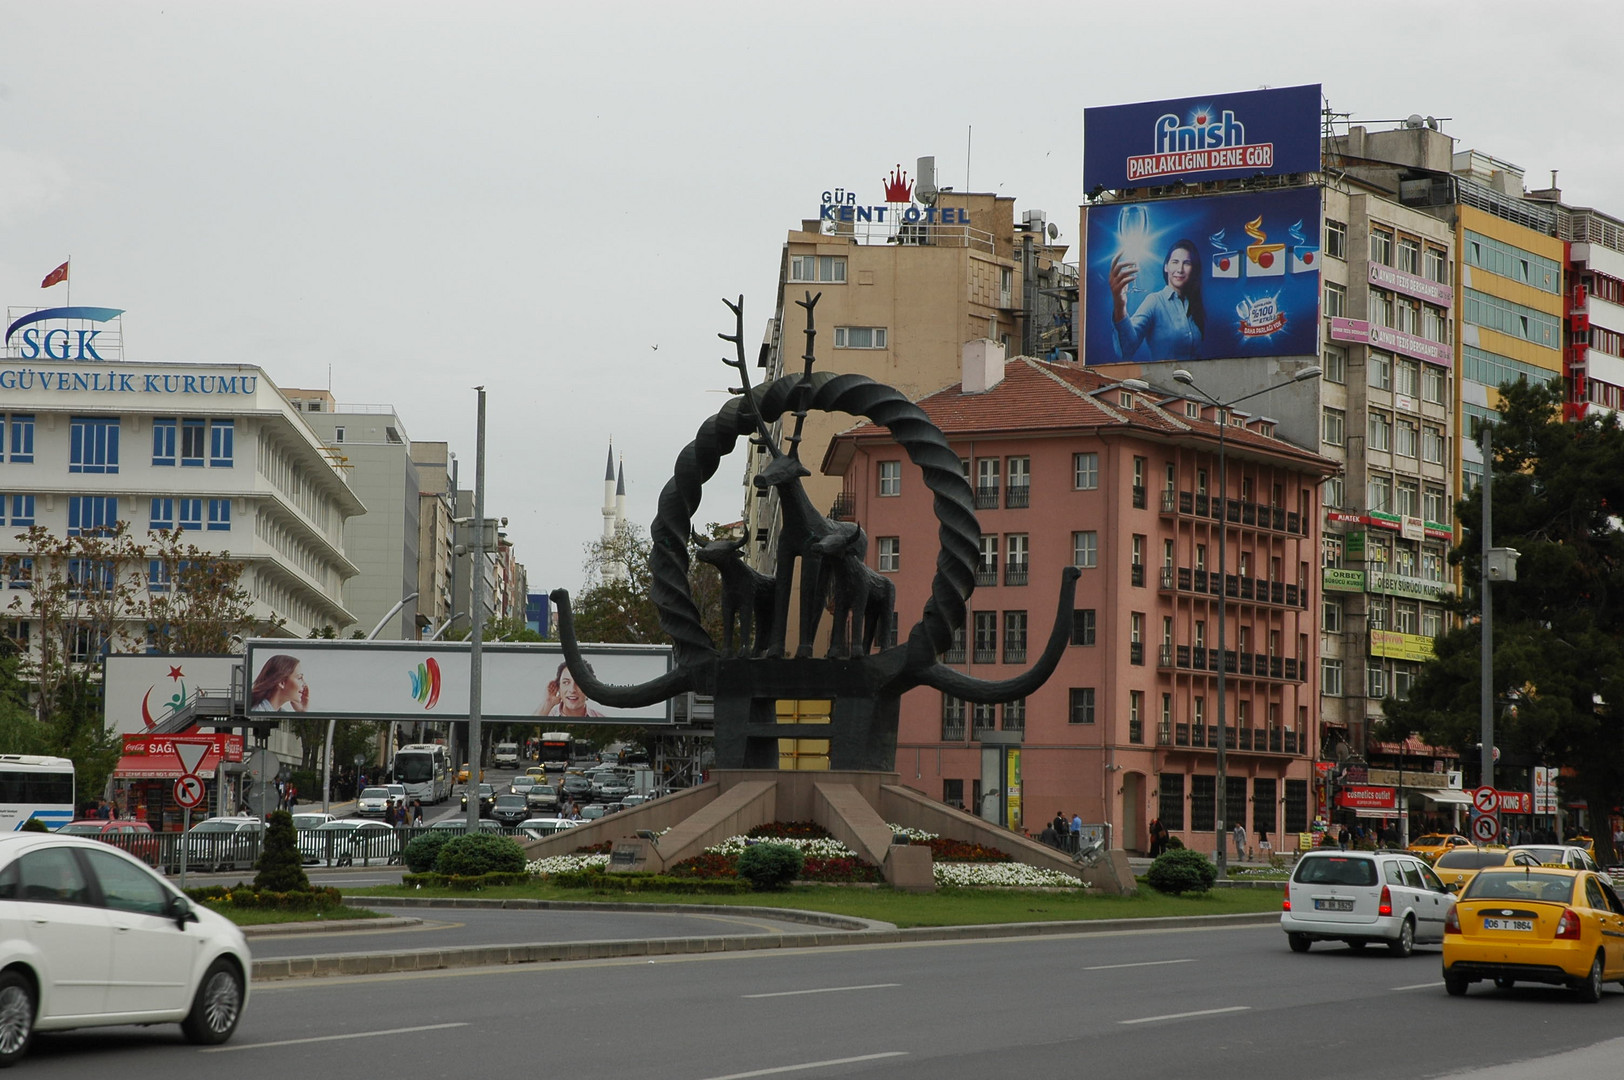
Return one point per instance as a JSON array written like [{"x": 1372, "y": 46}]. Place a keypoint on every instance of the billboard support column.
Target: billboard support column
[{"x": 476, "y": 615}]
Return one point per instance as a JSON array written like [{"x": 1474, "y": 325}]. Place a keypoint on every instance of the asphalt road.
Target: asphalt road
[{"x": 1226, "y": 1003}]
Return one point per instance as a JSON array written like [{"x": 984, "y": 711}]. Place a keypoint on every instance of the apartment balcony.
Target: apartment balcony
[
  {"x": 1252, "y": 740},
  {"x": 1256, "y": 515}
]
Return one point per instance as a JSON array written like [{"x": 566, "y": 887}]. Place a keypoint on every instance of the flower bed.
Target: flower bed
[
  {"x": 564, "y": 864},
  {"x": 1004, "y": 874}
]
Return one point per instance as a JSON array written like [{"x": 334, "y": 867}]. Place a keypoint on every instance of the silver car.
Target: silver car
[{"x": 1359, "y": 897}]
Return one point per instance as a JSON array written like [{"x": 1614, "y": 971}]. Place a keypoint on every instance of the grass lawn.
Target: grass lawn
[{"x": 945, "y": 907}]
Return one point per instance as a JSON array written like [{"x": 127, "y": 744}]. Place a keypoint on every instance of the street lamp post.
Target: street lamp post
[
  {"x": 1221, "y": 781},
  {"x": 476, "y": 608}
]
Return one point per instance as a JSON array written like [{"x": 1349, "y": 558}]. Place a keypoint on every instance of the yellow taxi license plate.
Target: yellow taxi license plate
[{"x": 1509, "y": 924}]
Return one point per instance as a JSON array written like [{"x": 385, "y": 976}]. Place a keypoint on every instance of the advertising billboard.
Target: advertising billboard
[
  {"x": 422, "y": 680},
  {"x": 1227, "y": 136},
  {"x": 141, "y": 689},
  {"x": 1203, "y": 278}
]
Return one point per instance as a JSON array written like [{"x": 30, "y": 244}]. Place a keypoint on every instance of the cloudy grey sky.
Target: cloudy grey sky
[{"x": 419, "y": 197}]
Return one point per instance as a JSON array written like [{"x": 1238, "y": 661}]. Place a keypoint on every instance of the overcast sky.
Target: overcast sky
[{"x": 551, "y": 199}]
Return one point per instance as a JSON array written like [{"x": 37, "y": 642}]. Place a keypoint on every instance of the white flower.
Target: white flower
[
  {"x": 914, "y": 835},
  {"x": 563, "y": 864},
  {"x": 814, "y": 849},
  {"x": 1008, "y": 875}
]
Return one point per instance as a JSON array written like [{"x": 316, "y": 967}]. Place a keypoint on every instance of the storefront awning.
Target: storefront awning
[
  {"x": 1449, "y": 798},
  {"x": 161, "y": 767},
  {"x": 158, "y": 757}
]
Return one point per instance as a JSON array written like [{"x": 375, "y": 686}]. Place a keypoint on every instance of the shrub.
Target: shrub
[
  {"x": 1182, "y": 871},
  {"x": 33, "y": 824},
  {"x": 769, "y": 866},
  {"x": 424, "y": 849},
  {"x": 480, "y": 853},
  {"x": 789, "y": 830},
  {"x": 279, "y": 868},
  {"x": 596, "y": 880},
  {"x": 466, "y": 884},
  {"x": 249, "y": 898}
]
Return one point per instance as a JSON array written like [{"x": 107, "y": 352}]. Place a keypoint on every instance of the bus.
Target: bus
[
  {"x": 555, "y": 750},
  {"x": 33, "y": 786},
  {"x": 425, "y": 771}
]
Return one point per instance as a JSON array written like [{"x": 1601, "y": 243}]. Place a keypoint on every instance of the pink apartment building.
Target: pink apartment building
[{"x": 1072, "y": 467}]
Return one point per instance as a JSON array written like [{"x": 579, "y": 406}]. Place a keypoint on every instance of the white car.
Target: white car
[
  {"x": 539, "y": 827},
  {"x": 1568, "y": 855},
  {"x": 348, "y": 841},
  {"x": 1359, "y": 897},
  {"x": 91, "y": 937},
  {"x": 225, "y": 843},
  {"x": 312, "y": 820},
  {"x": 372, "y": 802}
]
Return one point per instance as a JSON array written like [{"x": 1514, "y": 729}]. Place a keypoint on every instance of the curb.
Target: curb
[
  {"x": 330, "y": 926},
  {"x": 296, "y": 967}
]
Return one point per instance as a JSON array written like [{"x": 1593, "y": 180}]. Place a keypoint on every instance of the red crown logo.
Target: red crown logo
[{"x": 898, "y": 188}]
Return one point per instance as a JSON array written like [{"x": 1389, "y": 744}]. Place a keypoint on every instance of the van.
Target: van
[{"x": 507, "y": 755}]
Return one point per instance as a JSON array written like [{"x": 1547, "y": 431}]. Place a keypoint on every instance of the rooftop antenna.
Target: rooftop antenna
[{"x": 969, "y": 130}]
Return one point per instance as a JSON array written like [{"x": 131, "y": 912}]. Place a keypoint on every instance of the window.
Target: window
[
  {"x": 1407, "y": 316},
  {"x": 1015, "y": 558},
  {"x": 1437, "y": 265},
  {"x": 222, "y": 443},
  {"x": 1136, "y": 637},
  {"x": 1432, "y": 621},
  {"x": 1085, "y": 471},
  {"x": 1379, "y": 367},
  {"x": 823, "y": 268},
  {"x": 1018, "y": 481},
  {"x": 1138, "y": 483},
  {"x": 1407, "y": 617},
  {"x": 22, "y": 509},
  {"x": 987, "y": 483},
  {"x": 1015, "y": 715},
  {"x": 890, "y": 554},
  {"x": 1136, "y": 716},
  {"x": 1513, "y": 262},
  {"x": 193, "y": 434},
  {"x": 1006, "y": 286},
  {"x": 1433, "y": 381},
  {"x": 1332, "y": 427},
  {"x": 1407, "y": 377},
  {"x": 987, "y": 561},
  {"x": 164, "y": 432},
  {"x": 219, "y": 515},
  {"x": 338, "y": 434},
  {"x": 1136, "y": 563},
  {"x": 93, "y": 444},
  {"x": 1202, "y": 803},
  {"x": 1082, "y": 626},
  {"x": 985, "y": 636},
  {"x": 890, "y": 478},
  {"x": 87, "y": 513},
  {"x": 1381, "y": 246},
  {"x": 981, "y": 719},
  {"x": 1014, "y": 637},
  {"x": 162, "y": 515},
  {"x": 859, "y": 337},
  {"x": 1085, "y": 549},
  {"x": 1435, "y": 325},
  {"x": 1379, "y": 493},
  {"x": 1330, "y": 676},
  {"x": 1336, "y": 300},
  {"x": 1408, "y": 503},
  {"x": 1378, "y": 682},
  {"x": 1434, "y": 505},
  {"x": 1336, "y": 365},
  {"x": 1406, "y": 438},
  {"x": 191, "y": 513},
  {"x": 1381, "y": 308},
  {"x": 1333, "y": 494},
  {"x": 20, "y": 428},
  {"x": 1336, "y": 239},
  {"x": 952, "y": 718},
  {"x": 953, "y": 790},
  {"x": 1409, "y": 255},
  {"x": 159, "y": 576},
  {"x": 1331, "y": 621},
  {"x": 1081, "y": 710},
  {"x": 1381, "y": 431},
  {"x": 1526, "y": 323}
]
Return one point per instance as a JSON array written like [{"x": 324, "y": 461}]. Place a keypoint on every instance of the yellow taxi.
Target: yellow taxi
[
  {"x": 462, "y": 774},
  {"x": 1432, "y": 845},
  {"x": 1541, "y": 924},
  {"x": 1459, "y": 865},
  {"x": 537, "y": 771}
]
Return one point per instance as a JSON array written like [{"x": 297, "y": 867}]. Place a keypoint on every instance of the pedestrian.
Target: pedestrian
[
  {"x": 1059, "y": 824},
  {"x": 1342, "y": 837},
  {"x": 417, "y": 812},
  {"x": 1076, "y": 833},
  {"x": 1158, "y": 837},
  {"x": 1240, "y": 842}
]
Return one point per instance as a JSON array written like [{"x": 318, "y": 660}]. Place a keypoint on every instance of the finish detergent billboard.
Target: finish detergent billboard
[
  {"x": 1151, "y": 143},
  {"x": 1203, "y": 278}
]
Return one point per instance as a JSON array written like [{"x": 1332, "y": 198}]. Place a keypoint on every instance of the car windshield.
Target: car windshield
[
  {"x": 216, "y": 826},
  {"x": 487, "y": 789},
  {"x": 1524, "y": 885},
  {"x": 1545, "y": 854},
  {"x": 450, "y": 823},
  {"x": 1333, "y": 870},
  {"x": 81, "y": 828},
  {"x": 1429, "y": 841},
  {"x": 338, "y": 826},
  {"x": 1469, "y": 859},
  {"x": 510, "y": 800},
  {"x": 374, "y": 793},
  {"x": 309, "y": 821}
]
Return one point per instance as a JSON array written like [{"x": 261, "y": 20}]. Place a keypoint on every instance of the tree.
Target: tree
[{"x": 1558, "y": 659}]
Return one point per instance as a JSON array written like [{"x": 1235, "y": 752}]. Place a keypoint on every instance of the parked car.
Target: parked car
[
  {"x": 312, "y": 819},
  {"x": 91, "y": 937},
  {"x": 509, "y": 809},
  {"x": 224, "y": 843},
  {"x": 347, "y": 841},
  {"x": 1547, "y": 925},
  {"x": 1458, "y": 866},
  {"x": 372, "y": 802},
  {"x": 135, "y": 837},
  {"x": 487, "y": 799},
  {"x": 1359, "y": 897},
  {"x": 459, "y": 825}
]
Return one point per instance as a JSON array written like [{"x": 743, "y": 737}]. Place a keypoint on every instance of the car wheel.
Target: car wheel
[
  {"x": 17, "y": 1007},
  {"x": 1590, "y": 989},
  {"x": 1405, "y": 944},
  {"x": 1455, "y": 985},
  {"x": 217, "y": 1006},
  {"x": 1357, "y": 945},
  {"x": 1298, "y": 942},
  {"x": 1505, "y": 984}
]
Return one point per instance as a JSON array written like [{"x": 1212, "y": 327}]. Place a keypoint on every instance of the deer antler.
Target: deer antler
[
  {"x": 763, "y": 436},
  {"x": 805, "y": 388}
]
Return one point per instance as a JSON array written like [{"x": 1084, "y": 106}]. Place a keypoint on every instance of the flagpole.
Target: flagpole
[{"x": 69, "y": 282}]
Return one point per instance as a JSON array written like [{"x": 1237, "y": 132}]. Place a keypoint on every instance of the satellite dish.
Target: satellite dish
[{"x": 1054, "y": 231}]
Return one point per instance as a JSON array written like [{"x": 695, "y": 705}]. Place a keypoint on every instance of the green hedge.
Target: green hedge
[
  {"x": 596, "y": 880},
  {"x": 467, "y": 882},
  {"x": 246, "y": 897}
]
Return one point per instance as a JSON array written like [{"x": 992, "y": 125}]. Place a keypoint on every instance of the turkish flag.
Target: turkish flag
[{"x": 59, "y": 274}]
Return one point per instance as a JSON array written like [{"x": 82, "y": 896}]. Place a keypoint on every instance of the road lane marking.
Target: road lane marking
[
  {"x": 332, "y": 1038},
  {"x": 824, "y": 990},
  {"x": 809, "y": 1065},
  {"x": 1187, "y": 1015},
  {"x": 1419, "y": 986},
  {"x": 1143, "y": 963}
]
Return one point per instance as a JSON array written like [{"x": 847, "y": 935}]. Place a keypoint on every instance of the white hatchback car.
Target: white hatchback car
[
  {"x": 90, "y": 936},
  {"x": 1359, "y": 897}
]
